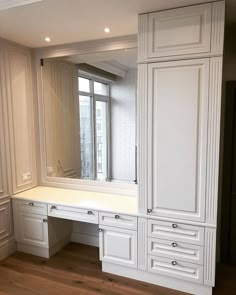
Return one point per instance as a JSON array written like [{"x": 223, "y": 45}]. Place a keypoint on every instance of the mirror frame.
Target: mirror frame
[{"x": 95, "y": 46}]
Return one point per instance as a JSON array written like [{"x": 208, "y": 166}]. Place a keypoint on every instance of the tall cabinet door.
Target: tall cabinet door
[
  {"x": 177, "y": 124},
  {"x": 20, "y": 100}
]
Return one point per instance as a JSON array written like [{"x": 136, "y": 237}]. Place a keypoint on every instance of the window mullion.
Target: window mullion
[{"x": 94, "y": 130}]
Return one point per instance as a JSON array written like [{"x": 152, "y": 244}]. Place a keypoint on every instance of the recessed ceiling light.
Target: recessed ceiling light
[
  {"x": 48, "y": 39},
  {"x": 107, "y": 30}
]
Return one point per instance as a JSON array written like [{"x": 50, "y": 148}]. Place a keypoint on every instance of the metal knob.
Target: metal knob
[
  {"x": 149, "y": 210},
  {"x": 117, "y": 216},
  {"x": 174, "y": 225},
  {"x": 100, "y": 230},
  {"x": 174, "y": 262},
  {"x": 53, "y": 207},
  {"x": 90, "y": 213},
  {"x": 31, "y": 204},
  {"x": 174, "y": 244},
  {"x": 45, "y": 220}
]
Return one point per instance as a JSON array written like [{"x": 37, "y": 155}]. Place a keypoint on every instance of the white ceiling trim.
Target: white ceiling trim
[
  {"x": 112, "y": 67},
  {"x": 6, "y": 4}
]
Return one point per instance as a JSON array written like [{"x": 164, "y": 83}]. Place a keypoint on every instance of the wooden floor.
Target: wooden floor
[{"x": 77, "y": 270}]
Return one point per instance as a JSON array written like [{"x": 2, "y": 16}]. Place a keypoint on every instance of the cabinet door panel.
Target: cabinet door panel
[
  {"x": 118, "y": 246},
  {"x": 178, "y": 106},
  {"x": 33, "y": 229},
  {"x": 179, "y": 31}
]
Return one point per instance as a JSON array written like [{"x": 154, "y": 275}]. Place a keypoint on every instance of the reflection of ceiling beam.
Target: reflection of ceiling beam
[
  {"x": 112, "y": 67},
  {"x": 6, "y": 4}
]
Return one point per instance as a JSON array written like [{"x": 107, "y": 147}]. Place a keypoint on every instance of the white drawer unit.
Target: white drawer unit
[
  {"x": 175, "y": 268},
  {"x": 118, "y": 246},
  {"x": 176, "y": 231},
  {"x": 33, "y": 229},
  {"x": 32, "y": 207},
  {"x": 118, "y": 220},
  {"x": 71, "y": 213},
  {"x": 176, "y": 250}
]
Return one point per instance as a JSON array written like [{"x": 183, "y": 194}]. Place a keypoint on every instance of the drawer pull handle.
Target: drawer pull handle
[
  {"x": 90, "y": 213},
  {"x": 53, "y": 207},
  {"x": 149, "y": 210},
  {"x": 174, "y": 225},
  {"x": 174, "y": 262},
  {"x": 100, "y": 230},
  {"x": 117, "y": 216},
  {"x": 174, "y": 245},
  {"x": 31, "y": 204},
  {"x": 45, "y": 220}
]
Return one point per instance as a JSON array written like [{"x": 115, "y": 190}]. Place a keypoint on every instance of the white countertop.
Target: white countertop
[{"x": 81, "y": 199}]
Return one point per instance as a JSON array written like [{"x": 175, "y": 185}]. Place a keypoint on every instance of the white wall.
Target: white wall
[{"x": 123, "y": 120}]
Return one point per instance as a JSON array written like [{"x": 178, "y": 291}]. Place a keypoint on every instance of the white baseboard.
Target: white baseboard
[
  {"x": 7, "y": 248},
  {"x": 85, "y": 239},
  {"x": 163, "y": 281},
  {"x": 34, "y": 250},
  {"x": 43, "y": 251}
]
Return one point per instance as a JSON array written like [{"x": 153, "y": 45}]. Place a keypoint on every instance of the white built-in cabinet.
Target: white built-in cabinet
[
  {"x": 60, "y": 98},
  {"x": 180, "y": 55}
]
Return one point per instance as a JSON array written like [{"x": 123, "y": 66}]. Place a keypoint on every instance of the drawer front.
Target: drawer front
[
  {"x": 118, "y": 220},
  {"x": 32, "y": 207},
  {"x": 176, "y": 250},
  {"x": 71, "y": 213},
  {"x": 176, "y": 231},
  {"x": 175, "y": 268}
]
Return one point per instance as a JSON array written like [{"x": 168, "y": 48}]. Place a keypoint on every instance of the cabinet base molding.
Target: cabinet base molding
[
  {"x": 7, "y": 248},
  {"x": 41, "y": 251},
  {"x": 159, "y": 280},
  {"x": 85, "y": 239}
]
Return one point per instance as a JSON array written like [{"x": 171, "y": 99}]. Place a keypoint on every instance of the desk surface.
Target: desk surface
[{"x": 81, "y": 199}]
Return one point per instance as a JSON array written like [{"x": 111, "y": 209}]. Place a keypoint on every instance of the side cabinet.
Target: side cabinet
[{"x": 178, "y": 118}]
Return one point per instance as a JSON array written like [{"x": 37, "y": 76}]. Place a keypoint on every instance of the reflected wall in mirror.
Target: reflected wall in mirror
[{"x": 90, "y": 116}]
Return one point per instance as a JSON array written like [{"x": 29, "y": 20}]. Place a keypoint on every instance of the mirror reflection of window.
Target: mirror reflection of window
[{"x": 93, "y": 108}]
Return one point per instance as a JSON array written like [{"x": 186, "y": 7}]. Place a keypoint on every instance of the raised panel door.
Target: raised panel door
[
  {"x": 180, "y": 31},
  {"x": 178, "y": 112},
  {"x": 118, "y": 246}
]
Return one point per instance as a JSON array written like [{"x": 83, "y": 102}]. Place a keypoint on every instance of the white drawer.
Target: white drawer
[
  {"x": 32, "y": 207},
  {"x": 176, "y": 231},
  {"x": 72, "y": 213},
  {"x": 175, "y": 268},
  {"x": 176, "y": 250},
  {"x": 118, "y": 220}
]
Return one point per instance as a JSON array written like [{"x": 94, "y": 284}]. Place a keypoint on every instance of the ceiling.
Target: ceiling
[{"x": 67, "y": 21}]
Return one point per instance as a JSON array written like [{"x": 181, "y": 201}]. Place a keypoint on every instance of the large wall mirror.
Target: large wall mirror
[{"x": 89, "y": 106}]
